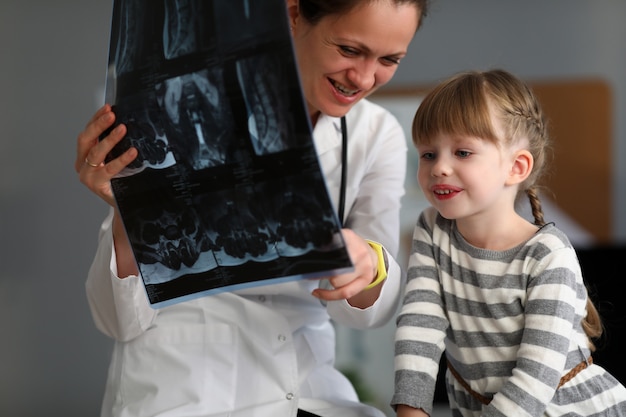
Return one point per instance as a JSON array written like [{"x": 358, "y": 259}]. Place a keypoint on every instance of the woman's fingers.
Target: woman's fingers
[
  {"x": 355, "y": 285},
  {"x": 91, "y": 153},
  {"x": 97, "y": 154},
  {"x": 352, "y": 283},
  {"x": 89, "y": 137}
]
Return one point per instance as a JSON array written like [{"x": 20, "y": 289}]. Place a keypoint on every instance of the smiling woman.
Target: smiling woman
[
  {"x": 349, "y": 56},
  {"x": 344, "y": 50}
]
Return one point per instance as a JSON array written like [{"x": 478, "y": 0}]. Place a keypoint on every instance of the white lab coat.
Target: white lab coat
[{"x": 263, "y": 351}]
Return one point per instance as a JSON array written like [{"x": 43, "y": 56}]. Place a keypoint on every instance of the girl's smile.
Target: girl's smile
[{"x": 445, "y": 191}]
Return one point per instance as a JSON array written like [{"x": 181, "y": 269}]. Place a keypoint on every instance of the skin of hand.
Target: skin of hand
[
  {"x": 350, "y": 286},
  {"x": 98, "y": 178},
  {"x": 406, "y": 411}
]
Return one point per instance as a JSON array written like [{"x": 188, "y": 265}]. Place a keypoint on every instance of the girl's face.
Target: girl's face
[
  {"x": 464, "y": 176},
  {"x": 343, "y": 58}
]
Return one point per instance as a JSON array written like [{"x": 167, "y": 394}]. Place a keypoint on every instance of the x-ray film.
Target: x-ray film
[{"x": 227, "y": 191}]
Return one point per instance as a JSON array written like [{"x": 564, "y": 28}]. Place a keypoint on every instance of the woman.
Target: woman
[{"x": 269, "y": 350}]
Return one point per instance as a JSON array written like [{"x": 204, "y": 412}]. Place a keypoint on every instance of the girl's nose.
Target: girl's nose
[{"x": 440, "y": 168}]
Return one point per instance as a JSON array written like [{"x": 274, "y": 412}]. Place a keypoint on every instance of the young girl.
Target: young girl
[{"x": 504, "y": 297}]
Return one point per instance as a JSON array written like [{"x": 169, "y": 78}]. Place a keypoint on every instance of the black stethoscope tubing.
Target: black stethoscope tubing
[{"x": 344, "y": 169}]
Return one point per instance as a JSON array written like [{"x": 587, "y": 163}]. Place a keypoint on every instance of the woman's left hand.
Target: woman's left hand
[{"x": 351, "y": 286}]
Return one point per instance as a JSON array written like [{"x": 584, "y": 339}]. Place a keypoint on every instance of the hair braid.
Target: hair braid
[
  {"x": 535, "y": 205},
  {"x": 592, "y": 323},
  {"x": 524, "y": 118}
]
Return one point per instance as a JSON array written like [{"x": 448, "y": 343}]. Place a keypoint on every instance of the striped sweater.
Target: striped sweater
[{"x": 508, "y": 321}]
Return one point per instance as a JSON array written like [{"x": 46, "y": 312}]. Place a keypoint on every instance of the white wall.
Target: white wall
[{"x": 52, "y": 66}]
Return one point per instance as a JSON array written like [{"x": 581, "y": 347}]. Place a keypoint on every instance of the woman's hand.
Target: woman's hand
[
  {"x": 96, "y": 175},
  {"x": 91, "y": 152},
  {"x": 351, "y": 286}
]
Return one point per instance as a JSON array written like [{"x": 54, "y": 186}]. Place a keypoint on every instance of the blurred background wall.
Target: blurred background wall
[{"x": 52, "y": 69}]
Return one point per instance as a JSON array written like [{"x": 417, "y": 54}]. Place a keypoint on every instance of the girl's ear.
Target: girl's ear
[{"x": 523, "y": 162}]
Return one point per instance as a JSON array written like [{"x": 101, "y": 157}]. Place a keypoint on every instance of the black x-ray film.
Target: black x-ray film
[{"x": 227, "y": 191}]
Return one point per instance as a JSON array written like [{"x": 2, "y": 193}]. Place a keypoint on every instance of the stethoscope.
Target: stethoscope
[{"x": 344, "y": 169}]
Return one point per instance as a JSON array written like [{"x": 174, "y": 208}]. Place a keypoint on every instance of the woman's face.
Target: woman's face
[{"x": 344, "y": 58}]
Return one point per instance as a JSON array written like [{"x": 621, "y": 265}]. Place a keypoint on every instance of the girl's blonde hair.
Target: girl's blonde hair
[{"x": 462, "y": 106}]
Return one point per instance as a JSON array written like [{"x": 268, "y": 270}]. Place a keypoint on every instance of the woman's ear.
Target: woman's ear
[
  {"x": 523, "y": 162},
  {"x": 293, "y": 12}
]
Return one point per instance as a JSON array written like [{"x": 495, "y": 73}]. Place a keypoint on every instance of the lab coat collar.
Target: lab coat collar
[{"x": 327, "y": 133}]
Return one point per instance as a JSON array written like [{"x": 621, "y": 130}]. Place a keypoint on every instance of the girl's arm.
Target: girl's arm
[
  {"x": 406, "y": 411},
  {"x": 421, "y": 326}
]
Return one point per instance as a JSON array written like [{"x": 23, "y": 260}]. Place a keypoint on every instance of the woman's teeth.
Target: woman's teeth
[{"x": 343, "y": 90}]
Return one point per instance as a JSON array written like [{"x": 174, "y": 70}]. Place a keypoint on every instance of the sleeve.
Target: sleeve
[
  {"x": 377, "y": 169},
  {"x": 380, "y": 312},
  {"x": 421, "y": 325},
  {"x": 555, "y": 304},
  {"x": 119, "y": 307}
]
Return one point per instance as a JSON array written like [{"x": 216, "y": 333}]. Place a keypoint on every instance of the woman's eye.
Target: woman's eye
[
  {"x": 346, "y": 50},
  {"x": 389, "y": 60}
]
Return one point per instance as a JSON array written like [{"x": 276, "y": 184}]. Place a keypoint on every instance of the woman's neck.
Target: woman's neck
[{"x": 314, "y": 117}]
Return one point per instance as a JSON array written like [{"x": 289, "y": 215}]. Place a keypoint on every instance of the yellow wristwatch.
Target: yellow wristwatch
[{"x": 383, "y": 264}]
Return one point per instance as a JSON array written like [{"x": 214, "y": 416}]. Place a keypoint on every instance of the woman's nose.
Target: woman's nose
[{"x": 363, "y": 75}]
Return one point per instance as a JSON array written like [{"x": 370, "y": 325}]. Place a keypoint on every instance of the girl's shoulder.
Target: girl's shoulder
[{"x": 550, "y": 236}]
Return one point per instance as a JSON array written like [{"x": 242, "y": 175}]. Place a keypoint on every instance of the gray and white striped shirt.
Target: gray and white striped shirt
[{"x": 509, "y": 322}]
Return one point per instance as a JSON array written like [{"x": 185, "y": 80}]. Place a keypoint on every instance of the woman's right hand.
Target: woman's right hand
[
  {"x": 91, "y": 153},
  {"x": 96, "y": 174}
]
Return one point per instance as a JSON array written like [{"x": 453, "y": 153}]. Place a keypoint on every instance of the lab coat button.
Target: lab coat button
[
  {"x": 262, "y": 298},
  {"x": 282, "y": 337},
  {"x": 289, "y": 396}
]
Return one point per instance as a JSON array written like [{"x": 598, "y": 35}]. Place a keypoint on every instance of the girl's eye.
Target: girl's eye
[
  {"x": 428, "y": 155},
  {"x": 463, "y": 154}
]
